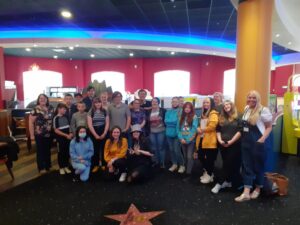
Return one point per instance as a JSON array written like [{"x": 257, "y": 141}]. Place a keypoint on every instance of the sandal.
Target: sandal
[
  {"x": 242, "y": 198},
  {"x": 255, "y": 194}
]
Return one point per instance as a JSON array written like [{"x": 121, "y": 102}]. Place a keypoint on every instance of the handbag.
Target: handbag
[{"x": 279, "y": 181}]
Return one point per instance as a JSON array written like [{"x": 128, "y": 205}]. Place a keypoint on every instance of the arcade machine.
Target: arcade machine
[{"x": 291, "y": 118}]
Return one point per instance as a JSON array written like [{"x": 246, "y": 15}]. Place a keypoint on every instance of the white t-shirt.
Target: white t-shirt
[{"x": 265, "y": 117}]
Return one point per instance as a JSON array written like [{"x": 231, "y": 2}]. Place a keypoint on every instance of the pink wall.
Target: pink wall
[{"x": 206, "y": 71}]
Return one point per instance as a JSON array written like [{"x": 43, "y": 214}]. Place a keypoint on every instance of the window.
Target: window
[
  {"x": 229, "y": 84},
  {"x": 36, "y": 82},
  {"x": 172, "y": 83},
  {"x": 114, "y": 79}
]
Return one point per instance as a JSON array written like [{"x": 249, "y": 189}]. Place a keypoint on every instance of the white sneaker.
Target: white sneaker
[
  {"x": 181, "y": 169},
  {"x": 226, "y": 184},
  {"x": 67, "y": 170},
  {"x": 173, "y": 168},
  {"x": 207, "y": 179},
  {"x": 216, "y": 189},
  {"x": 62, "y": 171},
  {"x": 203, "y": 175},
  {"x": 122, "y": 177}
]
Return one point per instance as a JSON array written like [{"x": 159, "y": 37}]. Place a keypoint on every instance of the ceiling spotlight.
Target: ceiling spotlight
[
  {"x": 214, "y": 53},
  {"x": 28, "y": 49},
  {"x": 277, "y": 35},
  {"x": 289, "y": 43},
  {"x": 55, "y": 56},
  {"x": 92, "y": 55},
  {"x": 172, "y": 0},
  {"x": 77, "y": 45},
  {"x": 71, "y": 48},
  {"x": 172, "y": 53},
  {"x": 158, "y": 49},
  {"x": 35, "y": 45},
  {"x": 131, "y": 54},
  {"x": 66, "y": 14},
  {"x": 187, "y": 50},
  {"x": 119, "y": 46}
]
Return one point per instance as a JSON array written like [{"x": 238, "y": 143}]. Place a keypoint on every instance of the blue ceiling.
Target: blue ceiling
[{"x": 211, "y": 19}]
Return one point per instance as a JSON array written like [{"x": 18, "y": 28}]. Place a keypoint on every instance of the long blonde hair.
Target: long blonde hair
[
  {"x": 230, "y": 116},
  {"x": 255, "y": 113}
]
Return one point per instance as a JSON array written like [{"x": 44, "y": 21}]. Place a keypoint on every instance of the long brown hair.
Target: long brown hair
[
  {"x": 111, "y": 139},
  {"x": 229, "y": 116},
  {"x": 189, "y": 117}
]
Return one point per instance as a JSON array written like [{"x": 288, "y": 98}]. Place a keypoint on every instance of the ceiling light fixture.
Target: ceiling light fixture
[
  {"x": 187, "y": 50},
  {"x": 277, "y": 35},
  {"x": 119, "y": 46},
  {"x": 71, "y": 48},
  {"x": 172, "y": 53},
  {"x": 92, "y": 55},
  {"x": 77, "y": 45},
  {"x": 35, "y": 45},
  {"x": 131, "y": 54},
  {"x": 28, "y": 49},
  {"x": 55, "y": 57},
  {"x": 158, "y": 49},
  {"x": 289, "y": 43},
  {"x": 66, "y": 14}
]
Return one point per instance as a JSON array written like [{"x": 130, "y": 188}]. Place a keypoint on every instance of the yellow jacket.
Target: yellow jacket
[
  {"x": 113, "y": 151},
  {"x": 210, "y": 134}
]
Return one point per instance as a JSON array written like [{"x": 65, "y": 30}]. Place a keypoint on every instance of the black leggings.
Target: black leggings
[
  {"x": 98, "y": 148},
  {"x": 208, "y": 158},
  {"x": 63, "y": 152}
]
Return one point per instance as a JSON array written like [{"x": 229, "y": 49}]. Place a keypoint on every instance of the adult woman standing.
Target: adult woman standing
[
  {"x": 81, "y": 152},
  {"x": 207, "y": 140},
  {"x": 187, "y": 131},
  {"x": 257, "y": 125},
  {"x": 40, "y": 128},
  {"x": 98, "y": 124},
  {"x": 157, "y": 132},
  {"x": 139, "y": 157},
  {"x": 115, "y": 153},
  {"x": 171, "y": 121},
  {"x": 228, "y": 135}
]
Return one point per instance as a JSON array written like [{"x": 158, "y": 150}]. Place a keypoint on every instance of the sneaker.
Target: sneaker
[
  {"x": 216, "y": 189},
  {"x": 242, "y": 198},
  {"x": 173, "y": 168},
  {"x": 95, "y": 169},
  {"x": 207, "y": 179},
  {"x": 43, "y": 172},
  {"x": 203, "y": 175},
  {"x": 62, "y": 171},
  {"x": 255, "y": 194},
  {"x": 67, "y": 170},
  {"x": 226, "y": 184},
  {"x": 123, "y": 177},
  {"x": 181, "y": 169}
]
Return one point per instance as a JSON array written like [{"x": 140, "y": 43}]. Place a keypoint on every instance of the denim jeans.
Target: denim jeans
[
  {"x": 157, "y": 145},
  {"x": 175, "y": 151},
  {"x": 254, "y": 156},
  {"x": 188, "y": 151}
]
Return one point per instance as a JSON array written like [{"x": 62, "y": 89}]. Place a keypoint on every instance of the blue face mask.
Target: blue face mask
[{"x": 82, "y": 135}]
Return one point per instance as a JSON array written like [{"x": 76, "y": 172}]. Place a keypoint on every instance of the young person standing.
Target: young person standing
[{"x": 79, "y": 118}]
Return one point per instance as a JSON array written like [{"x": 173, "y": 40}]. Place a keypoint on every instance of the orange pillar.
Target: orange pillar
[
  {"x": 254, "y": 49},
  {"x": 2, "y": 78}
]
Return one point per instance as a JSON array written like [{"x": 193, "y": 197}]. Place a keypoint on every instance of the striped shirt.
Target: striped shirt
[
  {"x": 98, "y": 117},
  {"x": 62, "y": 123}
]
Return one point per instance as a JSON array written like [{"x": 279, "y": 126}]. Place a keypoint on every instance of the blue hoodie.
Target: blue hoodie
[
  {"x": 85, "y": 149},
  {"x": 186, "y": 132},
  {"x": 171, "y": 119}
]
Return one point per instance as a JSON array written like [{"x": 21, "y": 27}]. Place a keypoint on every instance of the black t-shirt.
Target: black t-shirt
[
  {"x": 146, "y": 104},
  {"x": 229, "y": 129},
  {"x": 136, "y": 160}
]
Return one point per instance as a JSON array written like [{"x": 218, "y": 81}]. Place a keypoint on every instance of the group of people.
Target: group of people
[{"x": 127, "y": 141}]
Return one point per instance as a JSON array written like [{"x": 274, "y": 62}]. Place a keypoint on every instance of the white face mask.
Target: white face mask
[{"x": 82, "y": 135}]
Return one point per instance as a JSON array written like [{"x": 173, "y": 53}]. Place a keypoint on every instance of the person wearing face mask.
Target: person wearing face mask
[
  {"x": 257, "y": 125},
  {"x": 228, "y": 134},
  {"x": 171, "y": 120},
  {"x": 206, "y": 142},
  {"x": 81, "y": 152}
]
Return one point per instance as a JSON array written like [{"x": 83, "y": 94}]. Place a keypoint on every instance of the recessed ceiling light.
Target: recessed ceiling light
[
  {"x": 55, "y": 56},
  {"x": 92, "y": 55},
  {"x": 66, "y": 14},
  {"x": 28, "y": 49},
  {"x": 158, "y": 49},
  {"x": 214, "y": 53},
  {"x": 277, "y": 35},
  {"x": 119, "y": 46},
  {"x": 289, "y": 43},
  {"x": 71, "y": 48},
  {"x": 174, "y": 6},
  {"x": 35, "y": 45},
  {"x": 58, "y": 50},
  {"x": 172, "y": 53},
  {"x": 172, "y": 0},
  {"x": 187, "y": 50},
  {"x": 77, "y": 45},
  {"x": 131, "y": 54}
]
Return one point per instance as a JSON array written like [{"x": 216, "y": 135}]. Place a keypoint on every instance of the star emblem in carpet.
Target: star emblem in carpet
[{"x": 135, "y": 217}]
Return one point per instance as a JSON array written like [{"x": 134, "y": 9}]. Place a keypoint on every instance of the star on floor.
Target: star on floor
[{"x": 135, "y": 217}]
